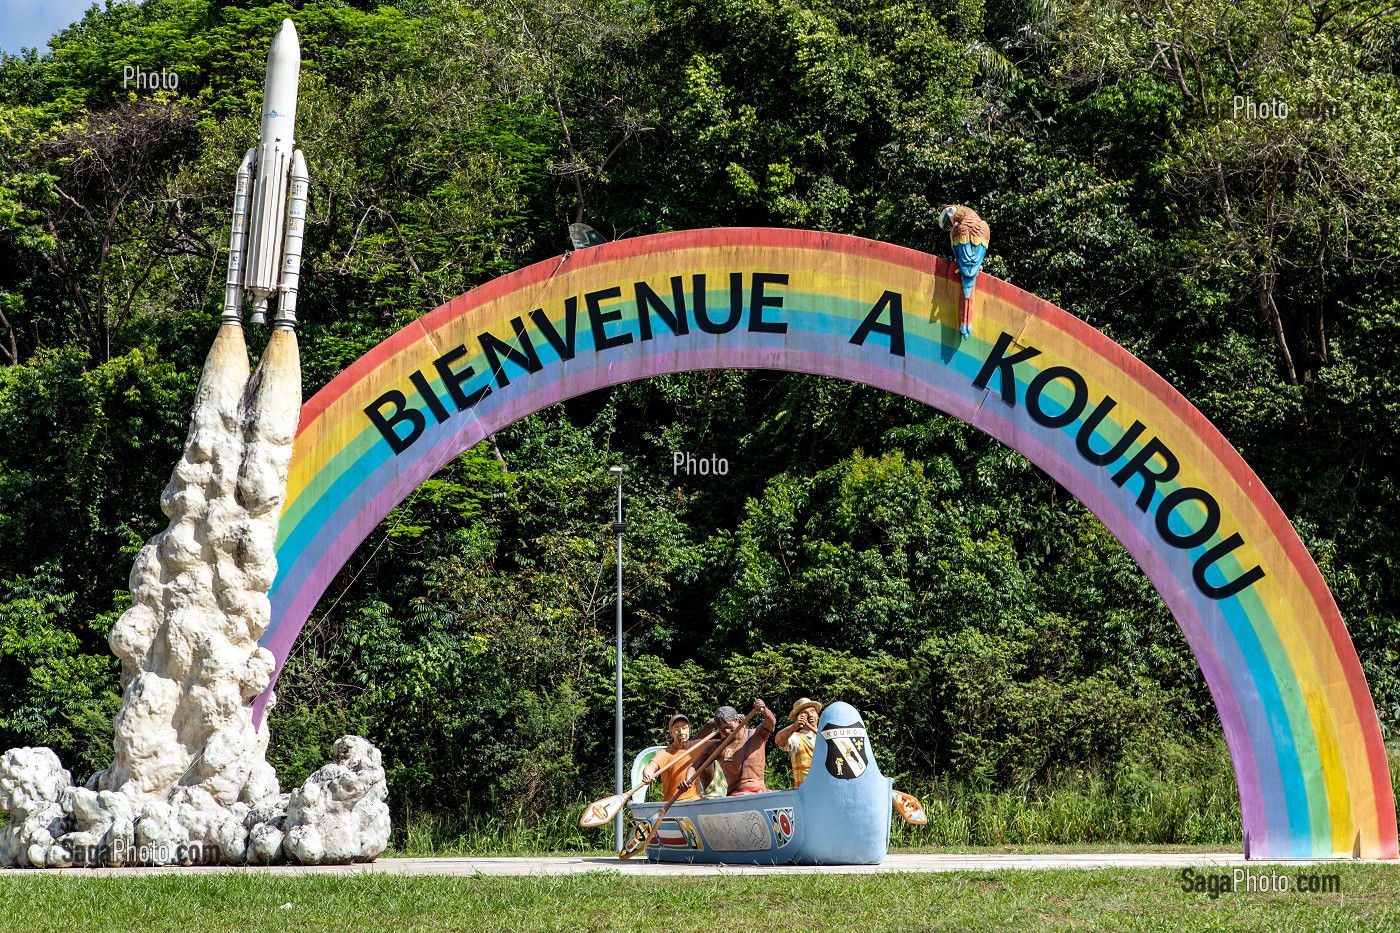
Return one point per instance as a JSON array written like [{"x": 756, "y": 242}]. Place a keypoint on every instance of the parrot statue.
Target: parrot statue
[{"x": 969, "y": 235}]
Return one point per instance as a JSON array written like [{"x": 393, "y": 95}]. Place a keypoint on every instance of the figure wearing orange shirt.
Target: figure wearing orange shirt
[{"x": 683, "y": 773}]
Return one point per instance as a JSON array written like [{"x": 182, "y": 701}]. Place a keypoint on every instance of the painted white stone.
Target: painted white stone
[
  {"x": 32, "y": 786},
  {"x": 159, "y": 833},
  {"x": 265, "y": 843},
  {"x": 262, "y": 784},
  {"x": 102, "y": 829},
  {"x": 192, "y": 828},
  {"x": 339, "y": 814}
]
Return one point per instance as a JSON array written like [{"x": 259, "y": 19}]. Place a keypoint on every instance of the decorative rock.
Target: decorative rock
[
  {"x": 262, "y": 786},
  {"x": 339, "y": 814},
  {"x": 212, "y": 833},
  {"x": 103, "y": 828},
  {"x": 266, "y": 842},
  {"x": 265, "y": 834},
  {"x": 192, "y": 829},
  {"x": 54, "y": 856},
  {"x": 33, "y": 784},
  {"x": 159, "y": 834}
]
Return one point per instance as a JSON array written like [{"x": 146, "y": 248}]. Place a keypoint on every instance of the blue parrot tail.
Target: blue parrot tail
[
  {"x": 965, "y": 331},
  {"x": 969, "y": 257}
]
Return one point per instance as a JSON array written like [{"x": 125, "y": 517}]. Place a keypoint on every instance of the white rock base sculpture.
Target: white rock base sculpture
[
  {"x": 189, "y": 781},
  {"x": 339, "y": 814},
  {"x": 32, "y": 784}
]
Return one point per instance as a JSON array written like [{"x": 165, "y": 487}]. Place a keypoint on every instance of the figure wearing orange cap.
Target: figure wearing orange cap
[
  {"x": 800, "y": 738},
  {"x": 679, "y": 727},
  {"x": 970, "y": 237}
]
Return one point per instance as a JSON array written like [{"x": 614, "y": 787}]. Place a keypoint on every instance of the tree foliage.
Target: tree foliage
[{"x": 861, "y": 546}]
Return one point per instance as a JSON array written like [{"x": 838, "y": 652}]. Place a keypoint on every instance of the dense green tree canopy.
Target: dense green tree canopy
[{"x": 861, "y": 546}]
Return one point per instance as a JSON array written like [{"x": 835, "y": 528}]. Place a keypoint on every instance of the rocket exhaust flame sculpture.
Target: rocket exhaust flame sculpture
[
  {"x": 269, "y": 204},
  {"x": 189, "y": 781}
]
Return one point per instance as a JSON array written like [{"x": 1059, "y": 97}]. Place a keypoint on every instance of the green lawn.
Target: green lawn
[{"x": 1107, "y": 899}]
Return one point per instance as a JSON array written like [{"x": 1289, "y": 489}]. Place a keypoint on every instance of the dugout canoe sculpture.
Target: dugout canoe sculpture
[{"x": 839, "y": 816}]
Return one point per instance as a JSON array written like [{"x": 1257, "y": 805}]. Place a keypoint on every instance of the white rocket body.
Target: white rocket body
[{"x": 265, "y": 249}]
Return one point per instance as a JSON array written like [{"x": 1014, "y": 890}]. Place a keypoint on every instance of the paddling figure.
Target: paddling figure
[
  {"x": 743, "y": 761},
  {"x": 673, "y": 779},
  {"x": 800, "y": 738}
]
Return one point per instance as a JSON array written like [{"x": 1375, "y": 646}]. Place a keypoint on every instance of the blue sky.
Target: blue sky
[{"x": 32, "y": 22}]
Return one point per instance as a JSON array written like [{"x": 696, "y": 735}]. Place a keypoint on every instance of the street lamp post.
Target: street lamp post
[{"x": 619, "y": 527}]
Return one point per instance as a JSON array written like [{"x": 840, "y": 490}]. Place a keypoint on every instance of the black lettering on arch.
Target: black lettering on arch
[
  {"x": 454, "y": 380},
  {"x": 1038, "y": 386},
  {"x": 1091, "y": 424},
  {"x": 648, "y": 301},
  {"x": 894, "y": 330},
  {"x": 494, "y": 347},
  {"x": 758, "y": 300},
  {"x": 1230, "y": 587},
  {"x": 736, "y": 305},
  {"x": 420, "y": 382},
  {"x": 1194, "y": 538},
  {"x": 563, "y": 344},
  {"x": 598, "y": 319},
  {"x": 1140, "y": 464},
  {"x": 403, "y": 412},
  {"x": 998, "y": 361}
]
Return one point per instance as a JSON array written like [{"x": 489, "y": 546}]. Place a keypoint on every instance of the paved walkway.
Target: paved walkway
[
  {"x": 528, "y": 867},
  {"x": 892, "y": 863}
]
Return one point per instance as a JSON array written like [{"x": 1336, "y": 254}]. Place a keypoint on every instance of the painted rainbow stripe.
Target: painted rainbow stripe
[{"x": 1298, "y": 716}]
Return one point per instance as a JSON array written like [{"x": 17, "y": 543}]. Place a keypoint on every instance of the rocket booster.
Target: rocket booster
[{"x": 269, "y": 207}]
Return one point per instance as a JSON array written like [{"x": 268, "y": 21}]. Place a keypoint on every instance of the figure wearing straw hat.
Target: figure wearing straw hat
[{"x": 800, "y": 738}]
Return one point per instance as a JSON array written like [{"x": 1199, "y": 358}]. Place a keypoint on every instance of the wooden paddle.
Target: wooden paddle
[
  {"x": 601, "y": 812},
  {"x": 646, "y": 829},
  {"x": 908, "y": 806}
]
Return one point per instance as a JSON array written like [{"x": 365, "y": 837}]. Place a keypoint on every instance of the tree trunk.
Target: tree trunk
[
  {"x": 8, "y": 345},
  {"x": 496, "y": 451},
  {"x": 1320, "y": 325},
  {"x": 1267, "y": 305}
]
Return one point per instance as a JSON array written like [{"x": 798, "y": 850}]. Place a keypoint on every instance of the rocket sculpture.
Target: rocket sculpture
[
  {"x": 969, "y": 235},
  {"x": 269, "y": 221}
]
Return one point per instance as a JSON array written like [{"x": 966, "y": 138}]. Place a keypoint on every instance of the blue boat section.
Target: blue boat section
[{"x": 839, "y": 816}]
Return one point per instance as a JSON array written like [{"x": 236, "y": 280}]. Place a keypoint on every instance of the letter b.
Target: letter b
[{"x": 402, "y": 412}]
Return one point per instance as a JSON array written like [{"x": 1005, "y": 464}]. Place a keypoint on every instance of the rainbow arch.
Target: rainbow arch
[{"x": 1298, "y": 716}]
